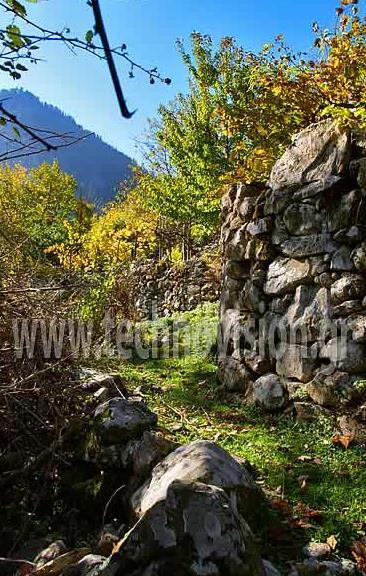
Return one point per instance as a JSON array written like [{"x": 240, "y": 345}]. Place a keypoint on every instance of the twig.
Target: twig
[
  {"x": 109, "y": 502},
  {"x": 180, "y": 414},
  {"x": 100, "y": 29},
  {"x": 26, "y": 129}
]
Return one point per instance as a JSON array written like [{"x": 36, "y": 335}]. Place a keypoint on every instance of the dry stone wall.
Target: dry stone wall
[
  {"x": 293, "y": 304},
  {"x": 161, "y": 288}
]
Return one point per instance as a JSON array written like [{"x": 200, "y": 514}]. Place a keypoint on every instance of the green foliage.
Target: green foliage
[
  {"x": 35, "y": 206},
  {"x": 182, "y": 391}
]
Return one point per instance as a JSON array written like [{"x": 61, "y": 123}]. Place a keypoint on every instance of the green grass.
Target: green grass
[{"x": 182, "y": 392}]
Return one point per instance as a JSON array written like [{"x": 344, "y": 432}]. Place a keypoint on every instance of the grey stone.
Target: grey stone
[
  {"x": 346, "y": 355},
  {"x": 303, "y": 219},
  {"x": 317, "y": 187},
  {"x": 237, "y": 270},
  {"x": 235, "y": 326},
  {"x": 236, "y": 248},
  {"x": 261, "y": 226},
  {"x": 316, "y": 153},
  {"x": 280, "y": 305},
  {"x": 309, "y": 316},
  {"x": 341, "y": 259},
  {"x": 342, "y": 210},
  {"x": 325, "y": 280},
  {"x": 301, "y": 246},
  {"x": 257, "y": 363},
  {"x": 233, "y": 375},
  {"x": 200, "y": 461},
  {"x": 252, "y": 298},
  {"x": 246, "y": 208},
  {"x": 195, "y": 530},
  {"x": 277, "y": 200},
  {"x": 257, "y": 249},
  {"x": 331, "y": 390},
  {"x": 118, "y": 420},
  {"x": 269, "y": 392},
  {"x": 347, "y": 308},
  {"x": 359, "y": 257},
  {"x": 269, "y": 569},
  {"x": 348, "y": 287},
  {"x": 357, "y": 170},
  {"x": 92, "y": 381},
  {"x": 317, "y": 550},
  {"x": 140, "y": 456},
  {"x": 232, "y": 285},
  {"x": 295, "y": 362},
  {"x": 356, "y": 324},
  {"x": 352, "y": 235},
  {"x": 285, "y": 274}
]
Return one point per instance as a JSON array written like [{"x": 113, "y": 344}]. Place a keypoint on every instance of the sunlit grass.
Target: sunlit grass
[{"x": 182, "y": 392}]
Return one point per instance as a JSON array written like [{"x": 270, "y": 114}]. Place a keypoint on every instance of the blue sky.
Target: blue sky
[{"x": 81, "y": 87}]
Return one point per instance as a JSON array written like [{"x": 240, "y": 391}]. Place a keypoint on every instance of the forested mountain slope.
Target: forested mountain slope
[{"x": 97, "y": 166}]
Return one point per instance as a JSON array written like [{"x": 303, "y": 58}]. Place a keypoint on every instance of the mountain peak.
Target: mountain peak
[{"x": 97, "y": 166}]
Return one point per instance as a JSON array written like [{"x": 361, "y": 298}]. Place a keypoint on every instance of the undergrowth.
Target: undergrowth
[{"x": 322, "y": 484}]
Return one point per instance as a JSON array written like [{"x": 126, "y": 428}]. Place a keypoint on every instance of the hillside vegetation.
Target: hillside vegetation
[{"x": 63, "y": 260}]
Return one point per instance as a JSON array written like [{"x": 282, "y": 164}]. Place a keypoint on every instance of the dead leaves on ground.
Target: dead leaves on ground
[
  {"x": 343, "y": 440},
  {"x": 358, "y": 550},
  {"x": 56, "y": 566},
  {"x": 298, "y": 516}
]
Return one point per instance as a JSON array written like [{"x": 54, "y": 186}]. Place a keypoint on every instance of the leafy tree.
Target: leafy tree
[
  {"x": 124, "y": 231},
  {"x": 241, "y": 111},
  {"x": 35, "y": 206}
]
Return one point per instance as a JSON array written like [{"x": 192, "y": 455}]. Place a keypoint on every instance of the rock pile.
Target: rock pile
[
  {"x": 293, "y": 305},
  {"x": 186, "y": 510},
  {"x": 163, "y": 288}
]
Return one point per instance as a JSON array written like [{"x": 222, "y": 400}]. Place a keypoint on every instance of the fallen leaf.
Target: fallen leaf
[
  {"x": 282, "y": 506},
  {"x": 332, "y": 542},
  {"x": 358, "y": 550},
  {"x": 304, "y": 511},
  {"x": 303, "y": 482},
  {"x": 56, "y": 566},
  {"x": 344, "y": 441}
]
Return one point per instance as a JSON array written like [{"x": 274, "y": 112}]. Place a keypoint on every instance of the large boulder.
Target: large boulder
[
  {"x": 200, "y": 461},
  {"x": 285, "y": 274},
  {"x": 137, "y": 456},
  {"x": 308, "y": 317},
  {"x": 345, "y": 355},
  {"x": 233, "y": 375},
  {"x": 295, "y": 361},
  {"x": 119, "y": 420},
  {"x": 269, "y": 392},
  {"x": 194, "y": 530},
  {"x": 348, "y": 287},
  {"x": 300, "y": 246},
  {"x": 318, "y": 152}
]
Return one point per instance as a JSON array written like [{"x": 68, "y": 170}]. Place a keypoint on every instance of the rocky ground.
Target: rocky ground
[{"x": 192, "y": 509}]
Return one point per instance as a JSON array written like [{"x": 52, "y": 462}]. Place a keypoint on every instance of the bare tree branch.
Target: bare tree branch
[
  {"x": 100, "y": 29},
  {"x": 26, "y": 129}
]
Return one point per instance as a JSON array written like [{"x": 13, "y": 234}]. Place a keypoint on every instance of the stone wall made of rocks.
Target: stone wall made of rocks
[
  {"x": 163, "y": 508},
  {"x": 162, "y": 288},
  {"x": 293, "y": 304}
]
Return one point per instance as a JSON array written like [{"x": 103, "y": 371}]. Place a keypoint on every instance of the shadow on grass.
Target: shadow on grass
[{"x": 323, "y": 485}]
